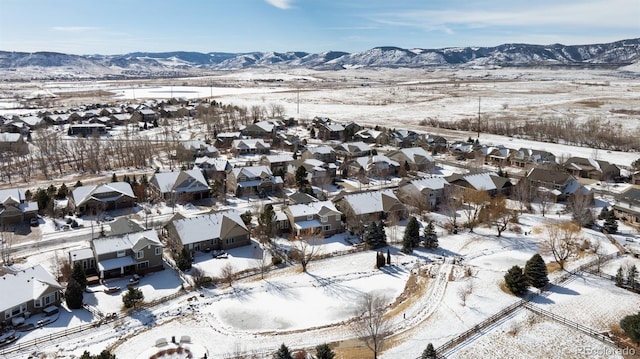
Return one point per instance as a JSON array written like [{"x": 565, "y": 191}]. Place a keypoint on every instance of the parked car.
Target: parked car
[{"x": 34, "y": 222}]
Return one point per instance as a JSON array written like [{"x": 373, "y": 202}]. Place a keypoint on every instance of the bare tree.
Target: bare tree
[
  {"x": 580, "y": 207},
  {"x": 451, "y": 203},
  {"x": 227, "y": 274},
  {"x": 370, "y": 323},
  {"x": 561, "y": 241},
  {"x": 306, "y": 248},
  {"x": 522, "y": 193},
  {"x": 6, "y": 241},
  {"x": 263, "y": 260},
  {"x": 465, "y": 291},
  {"x": 474, "y": 201},
  {"x": 498, "y": 215},
  {"x": 544, "y": 199}
]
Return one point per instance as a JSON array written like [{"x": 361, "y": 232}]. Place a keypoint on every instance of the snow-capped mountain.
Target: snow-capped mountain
[{"x": 142, "y": 64}]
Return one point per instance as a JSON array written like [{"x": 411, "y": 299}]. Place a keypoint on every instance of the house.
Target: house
[
  {"x": 130, "y": 253},
  {"x": 214, "y": 168},
  {"x": 427, "y": 192},
  {"x": 32, "y": 122},
  {"x": 216, "y": 230},
  {"x": 245, "y": 181},
  {"x": 462, "y": 149},
  {"x": 329, "y": 132},
  {"x": 378, "y": 166},
  {"x": 315, "y": 218},
  {"x": 198, "y": 148},
  {"x": 404, "y": 138},
  {"x": 13, "y": 142},
  {"x": 488, "y": 181},
  {"x": 627, "y": 205},
  {"x": 498, "y": 155},
  {"x": 436, "y": 142},
  {"x": 124, "y": 225},
  {"x": 225, "y": 139},
  {"x": 277, "y": 163},
  {"x": 14, "y": 208},
  {"x": 365, "y": 207},
  {"x": 370, "y": 136},
  {"x": 180, "y": 186},
  {"x": 635, "y": 178},
  {"x": 556, "y": 181},
  {"x": 300, "y": 198},
  {"x": 261, "y": 129},
  {"x": 590, "y": 168},
  {"x": 321, "y": 153},
  {"x": 120, "y": 118},
  {"x": 99, "y": 198},
  {"x": 416, "y": 157},
  {"x": 87, "y": 129},
  {"x": 527, "y": 156},
  {"x": 146, "y": 115},
  {"x": 28, "y": 291},
  {"x": 250, "y": 147},
  {"x": 352, "y": 149},
  {"x": 318, "y": 173}
]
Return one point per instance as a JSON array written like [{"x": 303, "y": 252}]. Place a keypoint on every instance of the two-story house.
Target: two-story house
[
  {"x": 13, "y": 142},
  {"x": 627, "y": 205},
  {"x": 261, "y": 129},
  {"x": 416, "y": 157},
  {"x": 427, "y": 192},
  {"x": 590, "y": 168},
  {"x": 350, "y": 150},
  {"x": 328, "y": 132},
  {"x": 365, "y": 207},
  {"x": 322, "y": 153},
  {"x": 245, "y": 181},
  {"x": 315, "y": 218},
  {"x": 379, "y": 166},
  {"x": 180, "y": 186},
  {"x": 527, "y": 156},
  {"x": 277, "y": 163},
  {"x": 14, "y": 208}
]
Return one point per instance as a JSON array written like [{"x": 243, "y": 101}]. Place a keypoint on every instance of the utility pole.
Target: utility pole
[
  {"x": 478, "y": 116},
  {"x": 298, "y": 102}
]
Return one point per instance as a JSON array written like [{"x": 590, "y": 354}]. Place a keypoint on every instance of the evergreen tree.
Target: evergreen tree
[
  {"x": 631, "y": 326},
  {"x": 266, "y": 220},
  {"x": 301, "y": 177},
  {"x": 246, "y": 217},
  {"x": 619, "y": 277},
  {"x": 536, "y": 272},
  {"x": 132, "y": 297},
  {"x": 105, "y": 354},
  {"x": 411, "y": 236},
  {"x": 516, "y": 281},
  {"x": 429, "y": 352},
  {"x": 379, "y": 260},
  {"x": 323, "y": 351},
  {"x": 632, "y": 275},
  {"x": 144, "y": 180},
  {"x": 114, "y": 178},
  {"x": 63, "y": 191},
  {"x": 79, "y": 275},
  {"x": 74, "y": 295},
  {"x": 388, "y": 257},
  {"x": 430, "y": 236},
  {"x": 611, "y": 223},
  {"x": 184, "y": 260},
  {"x": 52, "y": 190},
  {"x": 312, "y": 133},
  {"x": 43, "y": 199},
  {"x": 603, "y": 213},
  {"x": 78, "y": 184},
  {"x": 282, "y": 353},
  {"x": 407, "y": 167}
]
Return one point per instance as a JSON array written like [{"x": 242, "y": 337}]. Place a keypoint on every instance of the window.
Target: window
[
  {"x": 309, "y": 217},
  {"x": 120, "y": 254},
  {"x": 324, "y": 219},
  {"x": 140, "y": 255},
  {"x": 229, "y": 241},
  {"x": 326, "y": 228},
  {"x": 143, "y": 265},
  {"x": 158, "y": 251},
  {"x": 337, "y": 217}
]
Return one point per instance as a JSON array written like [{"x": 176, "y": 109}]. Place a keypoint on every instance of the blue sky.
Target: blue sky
[{"x": 122, "y": 26}]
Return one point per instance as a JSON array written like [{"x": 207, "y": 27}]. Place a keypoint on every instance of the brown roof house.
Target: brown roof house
[
  {"x": 216, "y": 230},
  {"x": 590, "y": 168},
  {"x": 417, "y": 158},
  {"x": 28, "y": 291},
  {"x": 99, "y": 198},
  {"x": 364, "y": 207}
]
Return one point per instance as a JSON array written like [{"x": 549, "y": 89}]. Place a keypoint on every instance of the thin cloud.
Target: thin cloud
[
  {"x": 280, "y": 4},
  {"x": 74, "y": 28}
]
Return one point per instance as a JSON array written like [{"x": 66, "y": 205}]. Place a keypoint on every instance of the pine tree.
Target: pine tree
[
  {"x": 74, "y": 295},
  {"x": 611, "y": 223},
  {"x": 411, "y": 236},
  {"x": 429, "y": 352},
  {"x": 516, "y": 281},
  {"x": 63, "y": 191},
  {"x": 632, "y": 275},
  {"x": 631, "y": 326},
  {"x": 79, "y": 275},
  {"x": 379, "y": 260},
  {"x": 78, "y": 184},
  {"x": 282, "y": 353},
  {"x": 132, "y": 297},
  {"x": 301, "y": 177},
  {"x": 430, "y": 236},
  {"x": 323, "y": 351},
  {"x": 536, "y": 272},
  {"x": 184, "y": 260},
  {"x": 114, "y": 178},
  {"x": 603, "y": 213},
  {"x": 619, "y": 277}
]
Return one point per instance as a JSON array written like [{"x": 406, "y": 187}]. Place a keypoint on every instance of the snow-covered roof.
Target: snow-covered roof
[
  {"x": 250, "y": 144},
  {"x": 367, "y": 162},
  {"x": 84, "y": 193},
  {"x": 80, "y": 254},
  {"x": 434, "y": 183},
  {"x": 125, "y": 242},
  {"x": 24, "y": 286},
  {"x": 351, "y": 147},
  {"x": 170, "y": 181},
  {"x": 218, "y": 164},
  {"x": 324, "y": 150},
  {"x": 31, "y": 121},
  {"x": 284, "y": 157},
  {"x": 481, "y": 181},
  {"x": 313, "y": 208},
  {"x": 208, "y": 226},
  {"x": 253, "y": 171},
  {"x": 369, "y": 202},
  {"x": 10, "y": 137},
  {"x": 416, "y": 154},
  {"x": 16, "y": 194},
  {"x": 335, "y": 127}
]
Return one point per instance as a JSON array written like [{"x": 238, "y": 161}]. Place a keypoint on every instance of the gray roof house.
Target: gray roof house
[{"x": 98, "y": 198}]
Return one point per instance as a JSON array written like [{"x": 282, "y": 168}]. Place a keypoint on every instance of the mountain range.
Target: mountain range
[{"x": 141, "y": 64}]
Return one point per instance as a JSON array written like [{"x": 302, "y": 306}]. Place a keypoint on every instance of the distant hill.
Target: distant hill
[{"x": 141, "y": 64}]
